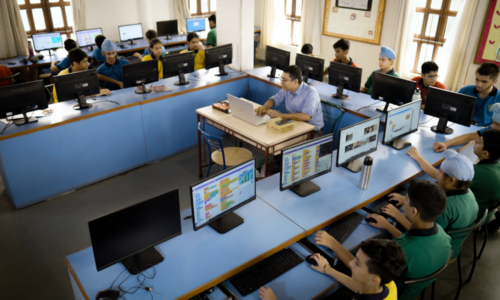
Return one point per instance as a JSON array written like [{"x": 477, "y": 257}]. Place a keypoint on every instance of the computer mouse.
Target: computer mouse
[
  {"x": 395, "y": 203},
  {"x": 311, "y": 261},
  {"x": 11, "y": 63},
  {"x": 108, "y": 295},
  {"x": 370, "y": 220},
  {"x": 40, "y": 56}
]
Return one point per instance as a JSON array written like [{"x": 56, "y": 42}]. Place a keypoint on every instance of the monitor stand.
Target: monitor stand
[
  {"x": 305, "y": 189},
  {"x": 305, "y": 77},
  {"x": 82, "y": 102},
  {"x": 132, "y": 42},
  {"x": 182, "y": 79},
  {"x": 340, "y": 92},
  {"x": 386, "y": 107},
  {"x": 91, "y": 48},
  {"x": 227, "y": 223},
  {"x": 25, "y": 119},
  {"x": 441, "y": 126},
  {"x": 399, "y": 144},
  {"x": 50, "y": 52},
  {"x": 143, "y": 89},
  {"x": 273, "y": 72},
  {"x": 168, "y": 37},
  {"x": 354, "y": 166},
  {"x": 222, "y": 71},
  {"x": 143, "y": 261}
]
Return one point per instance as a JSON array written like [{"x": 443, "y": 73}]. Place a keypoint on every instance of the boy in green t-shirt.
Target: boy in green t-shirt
[
  {"x": 426, "y": 244},
  {"x": 212, "y": 34},
  {"x": 385, "y": 61}
]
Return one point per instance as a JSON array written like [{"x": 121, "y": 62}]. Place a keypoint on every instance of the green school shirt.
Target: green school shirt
[
  {"x": 212, "y": 37},
  {"x": 369, "y": 81},
  {"x": 426, "y": 252},
  {"x": 461, "y": 212},
  {"x": 486, "y": 184}
]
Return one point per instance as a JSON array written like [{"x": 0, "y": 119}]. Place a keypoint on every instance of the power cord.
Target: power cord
[
  {"x": 141, "y": 277},
  {"x": 369, "y": 105},
  {"x": 11, "y": 121}
]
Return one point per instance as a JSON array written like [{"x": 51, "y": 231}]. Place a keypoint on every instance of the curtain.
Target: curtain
[
  {"x": 273, "y": 19},
  {"x": 317, "y": 30},
  {"x": 303, "y": 39},
  {"x": 14, "y": 39},
  {"x": 182, "y": 14},
  {"x": 78, "y": 14},
  {"x": 310, "y": 25},
  {"x": 403, "y": 38}
]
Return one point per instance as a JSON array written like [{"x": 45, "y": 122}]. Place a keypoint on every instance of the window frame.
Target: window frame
[
  {"x": 198, "y": 9},
  {"x": 45, "y": 5},
  {"x": 293, "y": 18}
]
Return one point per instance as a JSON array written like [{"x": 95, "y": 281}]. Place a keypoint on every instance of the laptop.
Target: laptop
[{"x": 243, "y": 110}]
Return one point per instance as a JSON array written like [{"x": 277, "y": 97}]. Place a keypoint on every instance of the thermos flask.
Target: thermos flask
[{"x": 364, "y": 180}]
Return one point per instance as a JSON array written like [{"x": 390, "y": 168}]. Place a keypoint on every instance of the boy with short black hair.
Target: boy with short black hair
[
  {"x": 212, "y": 34},
  {"x": 110, "y": 73},
  {"x": 97, "y": 57},
  {"x": 385, "y": 61},
  {"x": 307, "y": 49},
  {"x": 155, "y": 50},
  {"x": 429, "y": 78},
  {"x": 57, "y": 66},
  {"x": 150, "y": 35},
  {"x": 341, "y": 48}
]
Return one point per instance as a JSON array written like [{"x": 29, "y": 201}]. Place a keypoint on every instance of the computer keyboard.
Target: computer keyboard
[
  {"x": 266, "y": 271},
  {"x": 200, "y": 297},
  {"x": 315, "y": 249},
  {"x": 383, "y": 202},
  {"x": 342, "y": 229}
]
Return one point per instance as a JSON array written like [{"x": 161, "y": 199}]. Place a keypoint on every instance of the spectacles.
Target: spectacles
[{"x": 284, "y": 79}]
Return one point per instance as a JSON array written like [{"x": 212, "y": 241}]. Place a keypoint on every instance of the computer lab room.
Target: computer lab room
[{"x": 249, "y": 149}]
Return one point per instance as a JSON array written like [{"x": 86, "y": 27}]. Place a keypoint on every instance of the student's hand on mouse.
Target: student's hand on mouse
[
  {"x": 323, "y": 238},
  {"x": 439, "y": 147},
  {"x": 273, "y": 113},
  {"x": 413, "y": 153},
  {"x": 321, "y": 261},
  {"x": 390, "y": 210},
  {"x": 266, "y": 293},
  {"x": 104, "y": 92},
  {"x": 382, "y": 223},
  {"x": 397, "y": 197},
  {"x": 139, "y": 56},
  {"x": 260, "y": 110}
]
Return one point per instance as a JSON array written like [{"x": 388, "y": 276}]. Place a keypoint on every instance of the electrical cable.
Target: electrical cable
[
  {"x": 369, "y": 105},
  {"x": 141, "y": 277}
]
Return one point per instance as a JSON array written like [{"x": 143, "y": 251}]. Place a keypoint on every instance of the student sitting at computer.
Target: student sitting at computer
[
  {"x": 110, "y": 73},
  {"x": 4, "y": 73},
  {"x": 302, "y": 100},
  {"x": 341, "y": 48},
  {"x": 376, "y": 264},
  {"x": 79, "y": 61},
  {"x": 385, "y": 61},
  {"x": 307, "y": 49},
  {"x": 426, "y": 245},
  {"x": 97, "y": 57},
  {"x": 212, "y": 34},
  {"x": 150, "y": 35},
  {"x": 155, "y": 50},
  {"x": 429, "y": 78},
  {"x": 57, "y": 66},
  {"x": 198, "y": 48}
]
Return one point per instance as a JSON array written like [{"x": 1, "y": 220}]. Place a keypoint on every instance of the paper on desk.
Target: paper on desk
[{"x": 36, "y": 113}]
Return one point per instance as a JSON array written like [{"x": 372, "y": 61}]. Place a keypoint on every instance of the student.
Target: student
[
  {"x": 485, "y": 91},
  {"x": 57, "y": 66},
  {"x": 212, "y": 34},
  {"x": 110, "y": 73},
  {"x": 468, "y": 137},
  {"x": 97, "y": 57},
  {"x": 302, "y": 100},
  {"x": 78, "y": 61},
  {"x": 454, "y": 177},
  {"x": 150, "y": 35},
  {"x": 307, "y": 49},
  {"x": 425, "y": 244},
  {"x": 385, "y": 62},
  {"x": 194, "y": 45},
  {"x": 155, "y": 50},
  {"x": 4, "y": 73},
  {"x": 341, "y": 48},
  {"x": 429, "y": 78},
  {"x": 376, "y": 264}
]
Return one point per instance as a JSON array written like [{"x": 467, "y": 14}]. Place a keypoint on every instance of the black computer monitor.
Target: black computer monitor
[
  {"x": 47, "y": 41},
  {"x": 219, "y": 57},
  {"x": 130, "y": 234},
  {"x": 140, "y": 74},
  {"x": 21, "y": 99},
  {"x": 357, "y": 141},
  {"x": 276, "y": 59},
  {"x": 392, "y": 90},
  {"x": 87, "y": 37},
  {"x": 178, "y": 65},
  {"x": 344, "y": 77},
  {"x": 312, "y": 67},
  {"x": 214, "y": 200},
  {"x": 196, "y": 24},
  {"x": 77, "y": 86},
  {"x": 130, "y": 32},
  {"x": 449, "y": 106},
  {"x": 303, "y": 162},
  {"x": 167, "y": 28},
  {"x": 400, "y": 122}
]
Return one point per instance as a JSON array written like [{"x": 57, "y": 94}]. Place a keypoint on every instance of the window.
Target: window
[
  {"x": 202, "y": 7},
  {"x": 293, "y": 11},
  {"x": 432, "y": 25}
]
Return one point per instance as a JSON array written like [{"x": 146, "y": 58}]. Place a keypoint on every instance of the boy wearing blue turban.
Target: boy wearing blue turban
[
  {"x": 110, "y": 73},
  {"x": 385, "y": 61}
]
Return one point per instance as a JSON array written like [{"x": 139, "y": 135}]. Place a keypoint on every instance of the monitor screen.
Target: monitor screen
[
  {"x": 87, "y": 37},
  {"x": 222, "y": 193},
  {"x": 22, "y": 97},
  {"x": 348, "y": 77},
  {"x": 305, "y": 161},
  {"x": 47, "y": 41},
  {"x": 311, "y": 67},
  {"x": 167, "y": 27},
  {"x": 130, "y": 32},
  {"x": 357, "y": 140},
  {"x": 402, "y": 121},
  {"x": 195, "y": 25}
]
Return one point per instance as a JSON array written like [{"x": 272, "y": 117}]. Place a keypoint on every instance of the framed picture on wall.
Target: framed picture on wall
[
  {"x": 355, "y": 20},
  {"x": 488, "y": 48}
]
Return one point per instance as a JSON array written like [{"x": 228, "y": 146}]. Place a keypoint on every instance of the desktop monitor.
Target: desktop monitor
[
  {"x": 130, "y": 32},
  {"x": 178, "y": 65},
  {"x": 87, "y": 37},
  {"x": 312, "y": 67},
  {"x": 129, "y": 235},
  {"x": 276, "y": 59},
  {"x": 449, "y": 106},
  {"x": 21, "y": 99},
  {"x": 392, "y": 90},
  {"x": 193, "y": 25},
  {"x": 344, "y": 77},
  {"x": 139, "y": 74},
  {"x": 47, "y": 41},
  {"x": 303, "y": 162},
  {"x": 357, "y": 141},
  {"x": 218, "y": 57},
  {"x": 167, "y": 28},
  {"x": 214, "y": 200},
  {"x": 77, "y": 86},
  {"x": 399, "y": 122}
]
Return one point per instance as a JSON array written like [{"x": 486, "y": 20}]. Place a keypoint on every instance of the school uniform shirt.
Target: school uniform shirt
[
  {"x": 160, "y": 64},
  {"x": 146, "y": 51},
  {"x": 212, "y": 37},
  {"x": 350, "y": 63},
  {"x": 113, "y": 71},
  {"x": 305, "y": 100},
  {"x": 98, "y": 56},
  {"x": 424, "y": 89},
  {"x": 390, "y": 292},
  {"x": 486, "y": 183},
  {"x": 482, "y": 114},
  {"x": 461, "y": 212},
  {"x": 199, "y": 59},
  {"x": 54, "y": 94},
  {"x": 426, "y": 250},
  {"x": 63, "y": 64},
  {"x": 369, "y": 81},
  {"x": 5, "y": 72}
]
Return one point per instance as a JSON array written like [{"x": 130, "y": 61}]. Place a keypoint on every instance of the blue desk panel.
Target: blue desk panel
[{"x": 195, "y": 261}]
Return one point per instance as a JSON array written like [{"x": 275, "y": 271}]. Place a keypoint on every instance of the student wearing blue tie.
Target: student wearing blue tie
[{"x": 110, "y": 73}]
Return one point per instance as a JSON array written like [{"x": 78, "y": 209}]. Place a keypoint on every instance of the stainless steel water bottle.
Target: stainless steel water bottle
[{"x": 364, "y": 179}]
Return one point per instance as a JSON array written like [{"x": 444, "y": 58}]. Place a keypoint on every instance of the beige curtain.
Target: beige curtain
[
  {"x": 310, "y": 25},
  {"x": 182, "y": 14},
  {"x": 403, "y": 38},
  {"x": 14, "y": 39},
  {"x": 78, "y": 14},
  {"x": 304, "y": 26},
  {"x": 273, "y": 18}
]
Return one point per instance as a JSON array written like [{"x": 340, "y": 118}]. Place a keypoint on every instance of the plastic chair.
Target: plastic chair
[
  {"x": 464, "y": 232},
  {"x": 430, "y": 277},
  {"x": 492, "y": 210},
  {"x": 229, "y": 156}
]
